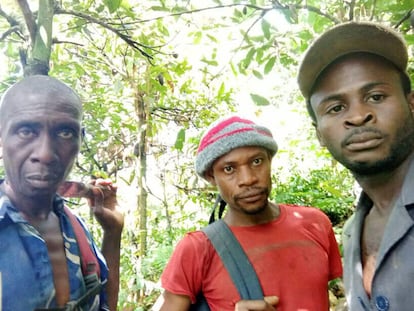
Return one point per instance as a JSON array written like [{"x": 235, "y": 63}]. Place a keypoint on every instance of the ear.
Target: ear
[
  {"x": 209, "y": 176},
  {"x": 410, "y": 100},
  {"x": 318, "y": 135}
]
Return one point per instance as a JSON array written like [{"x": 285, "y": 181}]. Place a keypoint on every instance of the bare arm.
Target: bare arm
[
  {"x": 103, "y": 205},
  {"x": 173, "y": 302}
]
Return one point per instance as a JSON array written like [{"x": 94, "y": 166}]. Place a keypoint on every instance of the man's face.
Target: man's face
[
  {"x": 363, "y": 116},
  {"x": 243, "y": 179},
  {"x": 40, "y": 137}
]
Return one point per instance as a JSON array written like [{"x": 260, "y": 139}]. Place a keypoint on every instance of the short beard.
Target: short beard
[
  {"x": 400, "y": 150},
  {"x": 257, "y": 211}
]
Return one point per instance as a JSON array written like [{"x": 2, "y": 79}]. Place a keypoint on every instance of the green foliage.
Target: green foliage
[
  {"x": 112, "y": 5},
  {"x": 259, "y": 100},
  {"x": 327, "y": 189},
  {"x": 160, "y": 95}
]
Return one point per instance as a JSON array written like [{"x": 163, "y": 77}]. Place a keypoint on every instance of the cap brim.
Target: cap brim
[{"x": 350, "y": 38}]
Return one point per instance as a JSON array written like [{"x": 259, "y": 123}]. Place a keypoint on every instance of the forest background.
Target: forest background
[{"x": 154, "y": 74}]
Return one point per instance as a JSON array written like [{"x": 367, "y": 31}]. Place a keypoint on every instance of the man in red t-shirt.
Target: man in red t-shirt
[{"x": 292, "y": 248}]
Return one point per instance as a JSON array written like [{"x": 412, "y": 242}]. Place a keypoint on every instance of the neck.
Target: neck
[
  {"x": 236, "y": 217},
  {"x": 31, "y": 208},
  {"x": 384, "y": 188}
]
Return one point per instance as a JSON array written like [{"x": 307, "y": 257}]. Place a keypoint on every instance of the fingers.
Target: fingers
[
  {"x": 98, "y": 197},
  {"x": 74, "y": 189},
  {"x": 268, "y": 304},
  {"x": 103, "y": 183},
  {"x": 272, "y": 300}
]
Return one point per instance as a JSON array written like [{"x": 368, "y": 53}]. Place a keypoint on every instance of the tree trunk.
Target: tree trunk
[
  {"x": 37, "y": 59},
  {"x": 142, "y": 168}
]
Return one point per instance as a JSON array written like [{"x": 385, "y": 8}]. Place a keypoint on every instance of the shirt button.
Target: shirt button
[{"x": 382, "y": 303}]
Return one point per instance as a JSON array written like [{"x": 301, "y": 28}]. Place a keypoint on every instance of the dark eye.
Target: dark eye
[
  {"x": 335, "y": 108},
  {"x": 376, "y": 98},
  {"x": 26, "y": 132},
  {"x": 66, "y": 133},
  {"x": 257, "y": 161},
  {"x": 228, "y": 169}
]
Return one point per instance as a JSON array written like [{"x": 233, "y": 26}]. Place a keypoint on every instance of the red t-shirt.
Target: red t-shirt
[{"x": 294, "y": 257}]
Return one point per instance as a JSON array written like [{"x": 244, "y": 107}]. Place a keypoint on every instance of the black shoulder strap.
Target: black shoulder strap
[{"x": 234, "y": 259}]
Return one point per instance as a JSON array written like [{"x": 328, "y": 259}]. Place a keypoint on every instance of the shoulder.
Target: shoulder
[
  {"x": 194, "y": 250},
  {"x": 8, "y": 214},
  {"x": 347, "y": 229},
  {"x": 308, "y": 218},
  {"x": 307, "y": 211},
  {"x": 188, "y": 265},
  {"x": 194, "y": 242}
]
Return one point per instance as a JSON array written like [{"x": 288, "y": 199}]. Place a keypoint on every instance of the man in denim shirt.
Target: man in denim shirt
[
  {"x": 40, "y": 265},
  {"x": 354, "y": 78}
]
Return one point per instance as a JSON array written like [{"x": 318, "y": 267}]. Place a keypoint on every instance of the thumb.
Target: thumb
[{"x": 272, "y": 300}]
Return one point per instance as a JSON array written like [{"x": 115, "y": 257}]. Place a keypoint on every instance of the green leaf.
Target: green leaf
[
  {"x": 221, "y": 90},
  {"x": 269, "y": 65},
  {"x": 112, "y": 5},
  {"x": 249, "y": 58},
  {"x": 179, "y": 142},
  {"x": 260, "y": 100},
  {"x": 257, "y": 74},
  {"x": 266, "y": 28}
]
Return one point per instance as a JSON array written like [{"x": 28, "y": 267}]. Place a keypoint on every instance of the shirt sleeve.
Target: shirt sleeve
[
  {"x": 335, "y": 260},
  {"x": 188, "y": 264}
]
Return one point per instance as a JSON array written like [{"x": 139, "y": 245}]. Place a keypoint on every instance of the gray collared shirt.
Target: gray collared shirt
[{"x": 393, "y": 280}]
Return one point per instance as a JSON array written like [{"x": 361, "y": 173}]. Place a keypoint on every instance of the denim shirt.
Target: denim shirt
[
  {"x": 25, "y": 268},
  {"x": 392, "y": 283}
]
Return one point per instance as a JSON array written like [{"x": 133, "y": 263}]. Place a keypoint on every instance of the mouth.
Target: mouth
[
  {"x": 251, "y": 197},
  {"x": 42, "y": 180},
  {"x": 363, "y": 141}
]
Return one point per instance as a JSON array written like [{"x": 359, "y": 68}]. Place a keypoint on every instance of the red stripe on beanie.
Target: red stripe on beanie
[{"x": 209, "y": 138}]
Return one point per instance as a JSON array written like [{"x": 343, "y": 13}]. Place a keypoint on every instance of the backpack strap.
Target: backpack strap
[
  {"x": 89, "y": 262},
  {"x": 234, "y": 259}
]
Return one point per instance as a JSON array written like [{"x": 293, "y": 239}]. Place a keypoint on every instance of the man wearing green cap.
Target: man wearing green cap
[
  {"x": 292, "y": 248},
  {"x": 354, "y": 79}
]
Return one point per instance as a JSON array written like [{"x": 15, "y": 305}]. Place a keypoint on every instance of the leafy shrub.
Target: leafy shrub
[{"x": 330, "y": 190}]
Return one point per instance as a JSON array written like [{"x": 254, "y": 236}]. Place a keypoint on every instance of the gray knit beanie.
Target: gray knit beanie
[{"x": 230, "y": 134}]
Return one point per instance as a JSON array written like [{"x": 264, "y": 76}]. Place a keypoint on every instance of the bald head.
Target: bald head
[
  {"x": 43, "y": 88},
  {"x": 40, "y": 135}
]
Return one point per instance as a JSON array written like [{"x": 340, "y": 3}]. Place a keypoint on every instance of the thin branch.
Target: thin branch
[
  {"x": 57, "y": 41},
  {"x": 351, "y": 5},
  {"x": 15, "y": 26},
  {"x": 374, "y": 6},
  {"x": 135, "y": 45},
  {"x": 29, "y": 18},
  {"x": 10, "y": 19},
  {"x": 14, "y": 29},
  {"x": 318, "y": 11},
  {"x": 404, "y": 18},
  {"x": 201, "y": 10}
]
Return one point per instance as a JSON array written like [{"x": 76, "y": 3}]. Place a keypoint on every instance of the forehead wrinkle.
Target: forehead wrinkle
[{"x": 15, "y": 99}]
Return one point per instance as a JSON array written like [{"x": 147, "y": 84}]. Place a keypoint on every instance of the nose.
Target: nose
[
  {"x": 359, "y": 114},
  {"x": 45, "y": 150},
  {"x": 247, "y": 176}
]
